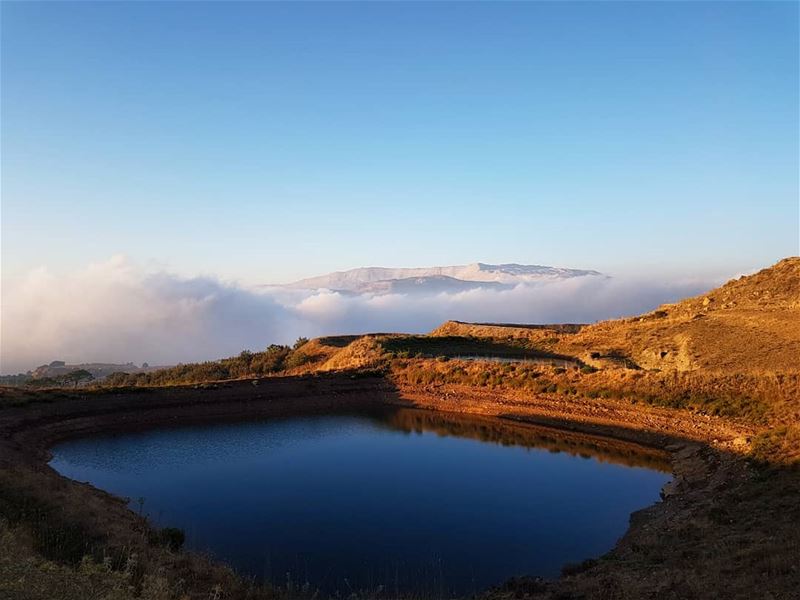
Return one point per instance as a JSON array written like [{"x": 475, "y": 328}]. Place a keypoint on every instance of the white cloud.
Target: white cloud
[{"x": 117, "y": 312}]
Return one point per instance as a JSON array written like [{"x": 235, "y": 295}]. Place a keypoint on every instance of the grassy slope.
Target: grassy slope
[
  {"x": 749, "y": 325},
  {"x": 733, "y": 351}
]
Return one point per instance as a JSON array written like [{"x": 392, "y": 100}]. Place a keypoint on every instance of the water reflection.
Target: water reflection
[
  {"x": 421, "y": 503},
  {"x": 507, "y": 432}
]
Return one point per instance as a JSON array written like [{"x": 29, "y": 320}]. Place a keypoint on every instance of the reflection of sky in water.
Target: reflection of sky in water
[
  {"x": 326, "y": 497},
  {"x": 196, "y": 447}
]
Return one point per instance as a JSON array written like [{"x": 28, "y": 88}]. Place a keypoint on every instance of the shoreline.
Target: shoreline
[{"x": 695, "y": 449}]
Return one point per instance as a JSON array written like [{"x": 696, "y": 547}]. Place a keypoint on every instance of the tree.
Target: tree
[{"x": 78, "y": 376}]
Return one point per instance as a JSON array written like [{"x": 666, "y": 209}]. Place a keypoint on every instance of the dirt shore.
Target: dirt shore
[{"x": 666, "y": 553}]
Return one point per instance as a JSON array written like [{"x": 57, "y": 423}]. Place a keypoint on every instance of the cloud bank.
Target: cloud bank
[{"x": 118, "y": 312}]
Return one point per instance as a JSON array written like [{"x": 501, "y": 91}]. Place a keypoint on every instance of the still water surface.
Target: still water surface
[{"x": 412, "y": 501}]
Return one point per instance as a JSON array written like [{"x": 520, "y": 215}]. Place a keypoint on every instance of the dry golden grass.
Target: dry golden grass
[
  {"x": 749, "y": 325},
  {"x": 364, "y": 353},
  {"x": 761, "y": 400}
]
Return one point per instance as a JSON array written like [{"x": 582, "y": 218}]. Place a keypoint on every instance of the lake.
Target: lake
[{"x": 422, "y": 503}]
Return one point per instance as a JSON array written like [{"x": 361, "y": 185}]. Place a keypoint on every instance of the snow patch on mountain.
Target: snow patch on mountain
[{"x": 448, "y": 279}]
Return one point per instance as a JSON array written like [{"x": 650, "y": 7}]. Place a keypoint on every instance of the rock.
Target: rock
[{"x": 670, "y": 489}]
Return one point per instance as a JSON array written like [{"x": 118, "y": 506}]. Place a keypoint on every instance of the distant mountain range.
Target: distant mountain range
[
  {"x": 434, "y": 280},
  {"x": 59, "y": 368}
]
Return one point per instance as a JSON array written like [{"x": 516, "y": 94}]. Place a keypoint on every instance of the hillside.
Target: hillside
[
  {"x": 751, "y": 324},
  {"x": 748, "y": 325}
]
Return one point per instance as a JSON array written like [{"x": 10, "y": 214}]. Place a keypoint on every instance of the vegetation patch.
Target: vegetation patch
[
  {"x": 274, "y": 359},
  {"x": 753, "y": 398},
  {"x": 455, "y": 346},
  {"x": 778, "y": 445},
  {"x": 53, "y": 536}
]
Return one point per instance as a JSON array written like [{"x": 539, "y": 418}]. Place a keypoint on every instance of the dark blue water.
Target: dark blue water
[{"x": 355, "y": 502}]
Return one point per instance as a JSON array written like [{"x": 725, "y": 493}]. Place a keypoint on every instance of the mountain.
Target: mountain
[
  {"x": 382, "y": 280},
  {"x": 434, "y": 284}
]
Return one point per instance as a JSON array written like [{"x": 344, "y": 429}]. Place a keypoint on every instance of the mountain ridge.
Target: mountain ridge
[{"x": 437, "y": 278}]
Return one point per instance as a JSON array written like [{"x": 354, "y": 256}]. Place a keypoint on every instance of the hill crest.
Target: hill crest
[
  {"x": 457, "y": 277},
  {"x": 749, "y": 324}
]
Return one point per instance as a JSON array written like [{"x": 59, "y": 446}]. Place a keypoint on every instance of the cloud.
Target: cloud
[{"x": 116, "y": 311}]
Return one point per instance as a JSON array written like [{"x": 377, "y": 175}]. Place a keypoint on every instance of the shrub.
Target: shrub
[
  {"x": 54, "y": 536},
  {"x": 171, "y": 537},
  {"x": 297, "y": 359}
]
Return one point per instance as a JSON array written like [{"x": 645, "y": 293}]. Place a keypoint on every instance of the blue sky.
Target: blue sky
[{"x": 271, "y": 141}]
